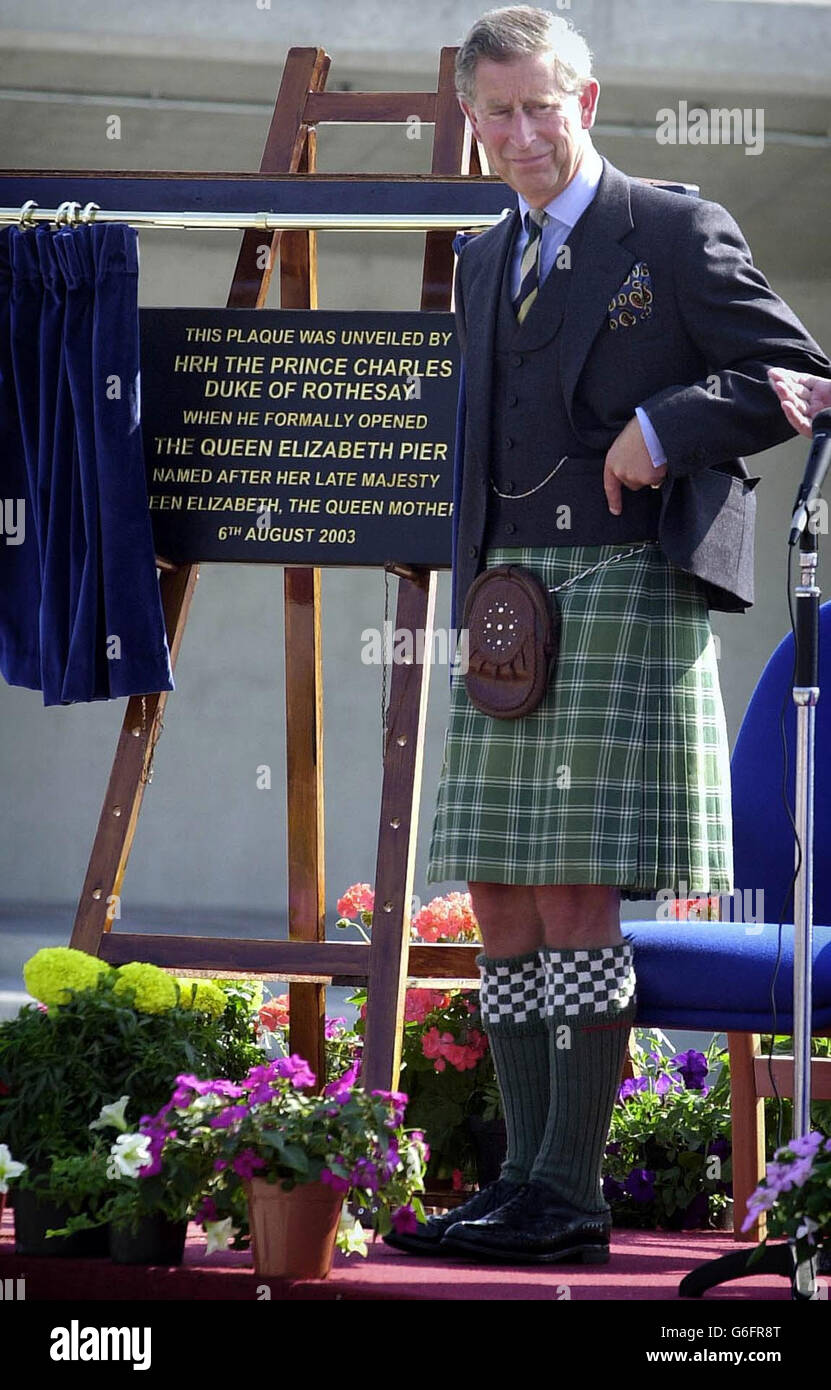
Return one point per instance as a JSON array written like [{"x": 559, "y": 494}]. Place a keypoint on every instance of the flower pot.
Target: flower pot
[
  {"x": 293, "y": 1233},
  {"x": 32, "y": 1219},
  {"x": 155, "y": 1241},
  {"x": 490, "y": 1145}
]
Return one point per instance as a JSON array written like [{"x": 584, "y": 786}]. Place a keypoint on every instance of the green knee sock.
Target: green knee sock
[
  {"x": 590, "y": 1008},
  {"x": 511, "y": 1001}
]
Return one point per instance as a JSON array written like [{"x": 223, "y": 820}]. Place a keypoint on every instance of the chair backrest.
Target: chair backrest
[{"x": 763, "y": 840}]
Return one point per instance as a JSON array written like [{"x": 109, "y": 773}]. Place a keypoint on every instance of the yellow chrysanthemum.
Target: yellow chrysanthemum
[
  {"x": 155, "y": 990},
  {"x": 53, "y": 971},
  {"x": 207, "y": 997}
]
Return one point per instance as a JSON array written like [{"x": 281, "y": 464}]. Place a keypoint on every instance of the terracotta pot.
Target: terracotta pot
[{"x": 293, "y": 1233}]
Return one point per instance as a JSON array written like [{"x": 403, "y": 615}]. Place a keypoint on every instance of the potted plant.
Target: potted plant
[
  {"x": 96, "y": 1034},
  {"x": 301, "y": 1159},
  {"x": 796, "y": 1194},
  {"x": 668, "y": 1155}
]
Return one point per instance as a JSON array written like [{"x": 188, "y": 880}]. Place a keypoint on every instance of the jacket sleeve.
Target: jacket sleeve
[{"x": 740, "y": 327}]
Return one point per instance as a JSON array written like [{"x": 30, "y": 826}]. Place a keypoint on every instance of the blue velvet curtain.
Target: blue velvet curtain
[{"x": 80, "y": 610}]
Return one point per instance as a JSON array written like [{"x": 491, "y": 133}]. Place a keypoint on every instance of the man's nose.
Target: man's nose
[{"x": 522, "y": 129}]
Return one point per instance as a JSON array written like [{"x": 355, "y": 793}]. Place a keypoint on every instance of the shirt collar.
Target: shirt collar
[{"x": 570, "y": 205}]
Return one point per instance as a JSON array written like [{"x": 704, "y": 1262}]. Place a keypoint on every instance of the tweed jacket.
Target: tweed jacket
[{"x": 697, "y": 364}]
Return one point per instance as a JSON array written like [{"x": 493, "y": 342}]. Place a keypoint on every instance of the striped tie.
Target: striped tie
[{"x": 529, "y": 270}]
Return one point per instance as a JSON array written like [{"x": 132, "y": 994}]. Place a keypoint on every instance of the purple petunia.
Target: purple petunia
[
  {"x": 333, "y": 1025},
  {"x": 333, "y": 1180},
  {"x": 640, "y": 1185},
  {"x": 632, "y": 1085},
  {"x": 246, "y": 1163},
  {"x": 693, "y": 1067},
  {"x": 365, "y": 1174},
  {"x": 296, "y": 1070},
  {"x": 398, "y": 1101},
  {"x": 612, "y": 1189},
  {"x": 228, "y": 1116},
  {"x": 720, "y": 1147},
  {"x": 341, "y": 1089},
  {"x": 404, "y": 1220},
  {"x": 662, "y": 1084}
]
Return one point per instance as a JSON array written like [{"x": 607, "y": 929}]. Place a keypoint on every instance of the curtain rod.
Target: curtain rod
[{"x": 71, "y": 214}]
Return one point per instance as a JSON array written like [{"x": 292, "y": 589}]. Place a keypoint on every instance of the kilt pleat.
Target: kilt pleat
[{"x": 621, "y": 775}]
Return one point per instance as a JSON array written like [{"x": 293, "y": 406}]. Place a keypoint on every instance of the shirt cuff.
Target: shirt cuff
[{"x": 650, "y": 439}]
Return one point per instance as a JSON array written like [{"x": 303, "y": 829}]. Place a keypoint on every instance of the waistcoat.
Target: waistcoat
[{"x": 531, "y": 432}]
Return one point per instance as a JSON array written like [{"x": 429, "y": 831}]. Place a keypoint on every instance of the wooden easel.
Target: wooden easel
[{"x": 307, "y": 960}]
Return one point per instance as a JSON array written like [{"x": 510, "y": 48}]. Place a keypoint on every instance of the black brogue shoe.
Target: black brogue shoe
[
  {"x": 536, "y": 1227},
  {"x": 428, "y": 1238}
]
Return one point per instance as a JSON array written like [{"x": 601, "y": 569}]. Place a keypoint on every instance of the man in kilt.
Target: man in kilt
[{"x": 615, "y": 346}]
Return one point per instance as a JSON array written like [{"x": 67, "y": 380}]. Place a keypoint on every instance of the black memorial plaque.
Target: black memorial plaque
[{"x": 299, "y": 437}]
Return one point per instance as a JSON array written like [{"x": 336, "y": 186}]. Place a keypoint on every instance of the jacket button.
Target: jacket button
[
  {"x": 512, "y": 400},
  {"x": 509, "y": 487},
  {"x": 473, "y": 551},
  {"x": 509, "y": 443},
  {"x": 510, "y": 528},
  {"x": 516, "y": 359}
]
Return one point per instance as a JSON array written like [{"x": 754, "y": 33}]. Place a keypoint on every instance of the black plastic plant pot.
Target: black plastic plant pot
[
  {"x": 155, "y": 1241},
  {"x": 32, "y": 1219}
]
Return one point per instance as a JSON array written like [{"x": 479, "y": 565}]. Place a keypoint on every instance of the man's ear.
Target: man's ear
[
  {"x": 468, "y": 110},
  {"x": 588, "y": 102}
]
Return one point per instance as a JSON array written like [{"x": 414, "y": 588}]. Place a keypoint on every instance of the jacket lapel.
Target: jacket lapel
[
  {"x": 598, "y": 270},
  {"x": 481, "y": 300}
]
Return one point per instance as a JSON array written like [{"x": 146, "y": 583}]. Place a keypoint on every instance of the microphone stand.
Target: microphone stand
[{"x": 782, "y": 1258}]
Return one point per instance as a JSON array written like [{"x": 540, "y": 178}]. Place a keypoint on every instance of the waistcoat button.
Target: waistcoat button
[
  {"x": 509, "y": 443},
  {"x": 473, "y": 551},
  {"x": 516, "y": 359},
  {"x": 510, "y": 528},
  {"x": 512, "y": 400}
]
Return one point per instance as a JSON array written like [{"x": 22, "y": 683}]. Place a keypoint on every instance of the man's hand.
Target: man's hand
[
  {"x": 801, "y": 396},
  {"x": 628, "y": 464}
]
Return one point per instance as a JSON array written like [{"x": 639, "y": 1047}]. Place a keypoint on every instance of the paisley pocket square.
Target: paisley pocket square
[{"x": 633, "y": 302}]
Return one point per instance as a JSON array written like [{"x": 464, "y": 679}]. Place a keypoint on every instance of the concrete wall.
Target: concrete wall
[{"x": 194, "y": 86}]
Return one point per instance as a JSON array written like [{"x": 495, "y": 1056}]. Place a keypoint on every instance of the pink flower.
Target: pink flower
[
  {"x": 458, "y": 1180},
  {"x": 359, "y": 898},
  {"x": 275, "y": 1014},
  {"x": 419, "y": 1003}
]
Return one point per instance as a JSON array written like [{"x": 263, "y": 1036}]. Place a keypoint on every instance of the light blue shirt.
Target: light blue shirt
[{"x": 564, "y": 211}]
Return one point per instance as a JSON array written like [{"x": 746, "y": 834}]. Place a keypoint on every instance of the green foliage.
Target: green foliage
[
  {"x": 58, "y": 1067},
  {"x": 668, "y": 1156}
]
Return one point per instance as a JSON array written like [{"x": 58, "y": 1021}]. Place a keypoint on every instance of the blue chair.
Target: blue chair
[{"x": 716, "y": 976}]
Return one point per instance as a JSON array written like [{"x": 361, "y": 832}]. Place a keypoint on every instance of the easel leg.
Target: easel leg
[
  {"x": 130, "y": 771},
  {"x": 401, "y": 791}
]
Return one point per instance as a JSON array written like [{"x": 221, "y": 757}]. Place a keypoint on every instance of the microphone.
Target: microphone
[{"x": 814, "y": 476}]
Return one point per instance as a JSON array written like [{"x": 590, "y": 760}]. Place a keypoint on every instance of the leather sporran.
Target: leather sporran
[{"x": 513, "y": 638}]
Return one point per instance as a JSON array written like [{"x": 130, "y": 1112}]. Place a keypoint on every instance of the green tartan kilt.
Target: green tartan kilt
[{"x": 621, "y": 775}]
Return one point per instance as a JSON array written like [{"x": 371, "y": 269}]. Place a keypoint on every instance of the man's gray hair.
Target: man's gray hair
[{"x": 517, "y": 30}]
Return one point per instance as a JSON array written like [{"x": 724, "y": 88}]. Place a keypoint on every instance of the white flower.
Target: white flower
[
  {"x": 112, "y": 1116},
  {"x": 8, "y": 1167},
  {"x": 218, "y": 1234},
  {"x": 807, "y": 1229},
  {"x": 351, "y": 1234},
  {"x": 130, "y": 1153}
]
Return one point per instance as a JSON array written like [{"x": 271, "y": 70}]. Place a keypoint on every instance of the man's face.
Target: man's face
[{"x": 534, "y": 135}]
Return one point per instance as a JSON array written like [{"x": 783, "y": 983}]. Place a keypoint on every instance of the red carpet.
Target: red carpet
[{"x": 645, "y": 1265}]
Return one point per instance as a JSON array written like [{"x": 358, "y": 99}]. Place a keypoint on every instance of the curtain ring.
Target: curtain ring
[
  {"x": 67, "y": 214},
  {"x": 26, "y": 218},
  {"x": 88, "y": 213}
]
